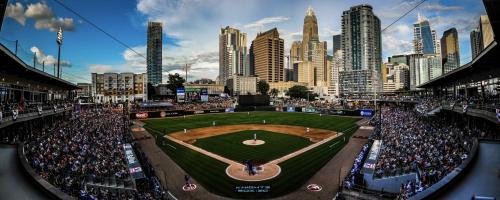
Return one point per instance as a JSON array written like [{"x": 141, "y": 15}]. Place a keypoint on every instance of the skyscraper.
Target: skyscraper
[
  {"x": 336, "y": 43},
  {"x": 423, "y": 42},
  {"x": 268, "y": 56},
  {"x": 313, "y": 68},
  {"x": 154, "y": 53},
  {"x": 476, "y": 42},
  {"x": 450, "y": 50},
  {"x": 232, "y": 54},
  {"x": 423, "y": 68},
  {"x": 437, "y": 43},
  {"x": 295, "y": 52},
  {"x": 486, "y": 30},
  {"x": 362, "y": 51}
]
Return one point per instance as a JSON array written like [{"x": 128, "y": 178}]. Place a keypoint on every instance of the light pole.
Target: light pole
[
  {"x": 59, "y": 43},
  {"x": 187, "y": 67}
]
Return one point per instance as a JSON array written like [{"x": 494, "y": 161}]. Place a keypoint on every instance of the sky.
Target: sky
[{"x": 191, "y": 29}]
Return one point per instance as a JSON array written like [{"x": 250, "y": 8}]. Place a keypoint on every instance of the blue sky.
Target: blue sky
[{"x": 191, "y": 28}]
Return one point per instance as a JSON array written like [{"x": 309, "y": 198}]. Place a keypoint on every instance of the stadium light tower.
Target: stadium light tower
[
  {"x": 187, "y": 67},
  {"x": 59, "y": 43}
]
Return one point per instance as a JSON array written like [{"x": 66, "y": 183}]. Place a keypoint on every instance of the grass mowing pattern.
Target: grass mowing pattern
[
  {"x": 210, "y": 173},
  {"x": 277, "y": 145}
]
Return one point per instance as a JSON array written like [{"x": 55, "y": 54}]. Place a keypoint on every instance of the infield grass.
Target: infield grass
[{"x": 230, "y": 145}]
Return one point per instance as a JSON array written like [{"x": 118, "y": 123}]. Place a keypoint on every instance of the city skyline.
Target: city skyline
[{"x": 95, "y": 52}]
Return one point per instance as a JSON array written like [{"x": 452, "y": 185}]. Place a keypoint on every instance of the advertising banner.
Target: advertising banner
[
  {"x": 142, "y": 115},
  {"x": 290, "y": 109},
  {"x": 366, "y": 112},
  {"x": 204, "y": 94},
  {"x": 134, "y": 167},
  {"x": 181, "y": 95},
  {"x": 229, "y": 109},
  {"x": 309, "y": 110}
]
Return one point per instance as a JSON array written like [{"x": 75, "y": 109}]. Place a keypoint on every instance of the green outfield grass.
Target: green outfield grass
[
  {"x": 210, "y": 173},
  {"x": 276, "y": 146}
]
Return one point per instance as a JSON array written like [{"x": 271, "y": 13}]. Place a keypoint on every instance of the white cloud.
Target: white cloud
[
  {"x": 261, "y": 23},
  {"x": 48, "y": 60},
  {"x": 440, "y": 7},
  {"x": 16, "y": 12},
  {"x": 99, "y": 68},
  {"x": 39, "y": 11},
  {"x": 42, "y": 14},
  {"x": 53, "y": 24}
]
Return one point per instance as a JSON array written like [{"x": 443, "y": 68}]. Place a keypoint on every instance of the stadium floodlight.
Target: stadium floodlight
[{"x": 59, "y": 43}]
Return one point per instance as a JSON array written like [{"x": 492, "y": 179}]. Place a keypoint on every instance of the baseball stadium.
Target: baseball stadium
[{"x": 303, "y": 123}]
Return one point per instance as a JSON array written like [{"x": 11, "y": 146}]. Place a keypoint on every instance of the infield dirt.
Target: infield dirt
[{"x": 314, "y": 135}]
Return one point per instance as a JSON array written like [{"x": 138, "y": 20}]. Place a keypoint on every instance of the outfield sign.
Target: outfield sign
[
  {"x": 181, "y": 95},
  {"x": 252, "y": 188},
  {"x": 290, "y": 109},
  {"x": 134, "y": 167},
  {"x": 204, "y": 94},
  {"x": 229, "y": 109},
  {"x": 366, "y": 112}
]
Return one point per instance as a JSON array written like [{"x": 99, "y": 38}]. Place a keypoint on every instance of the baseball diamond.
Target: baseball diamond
[{"x": 215, "y": 155}]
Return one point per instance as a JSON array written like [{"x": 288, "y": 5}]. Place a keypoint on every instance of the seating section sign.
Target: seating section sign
[{"x": 134, "y": 167}]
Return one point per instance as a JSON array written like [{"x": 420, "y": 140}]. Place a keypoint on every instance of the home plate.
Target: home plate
[
  {"x": 314, "y": 187},
  {"x": 189, "y": 187}
]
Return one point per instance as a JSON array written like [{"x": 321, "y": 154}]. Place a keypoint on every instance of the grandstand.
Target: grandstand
[{"x": 440, "y": 142}]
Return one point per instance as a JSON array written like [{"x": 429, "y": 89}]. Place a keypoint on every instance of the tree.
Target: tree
[
  {"x": 301, "y": 92},
  {"x": 262, "y": 87},
  {"x": 226, "y": 90},
  {"x": 298, "y": 91},
  {"x": 175, "y": 81},
  {"x": 274, "y": 92}
]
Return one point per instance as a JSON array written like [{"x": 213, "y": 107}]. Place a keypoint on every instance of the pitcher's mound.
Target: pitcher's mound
[
  {"x": 254, "y": 142},
  {"x": 264, "y": 172}
]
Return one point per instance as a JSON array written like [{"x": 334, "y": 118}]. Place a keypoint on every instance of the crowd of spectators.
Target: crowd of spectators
[
  {"x": 431, "y": 147},
  {"x": 11, "y": 107},
  {"x": 89, "y": 146},
  {"x": 212, "y": 103},
  {"x": 426, "y": 105}
]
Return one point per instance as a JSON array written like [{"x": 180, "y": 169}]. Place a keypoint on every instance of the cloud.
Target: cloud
[
  {"x": 42, "y": 14},
  {"x": 48, "y": 60},
  {"x": 99, "y": 68},
  {"x": 39, "y": 11},
  {"x": 265, "y": 21},
  {"x": 53, "y": 24},
  {"x": 440, "y": 7},
  {"x": 16, "y": 12},
  {"x": 397, "y": 40},
  {"x": 203, "y": 65}
]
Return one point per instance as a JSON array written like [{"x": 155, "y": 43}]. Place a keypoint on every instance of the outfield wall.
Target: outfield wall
[{"x": 175, "y": 113}]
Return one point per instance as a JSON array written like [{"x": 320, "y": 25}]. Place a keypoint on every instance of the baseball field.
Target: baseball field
[{"x": 205, "y": 145}]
